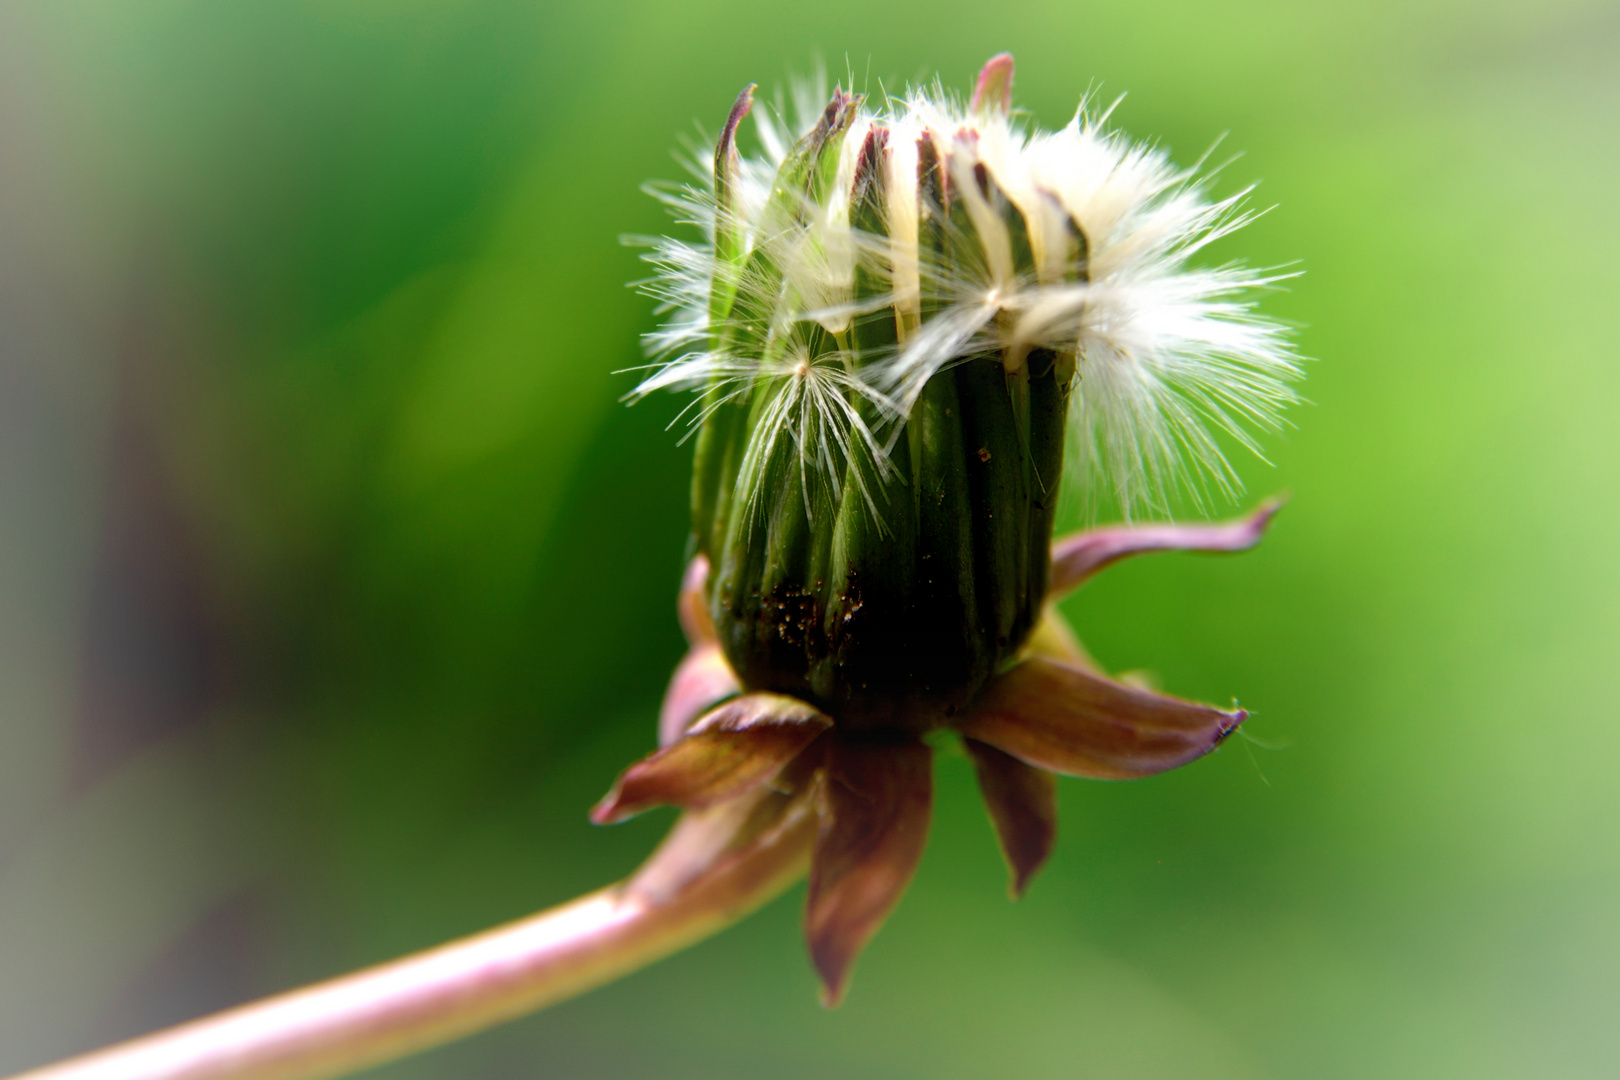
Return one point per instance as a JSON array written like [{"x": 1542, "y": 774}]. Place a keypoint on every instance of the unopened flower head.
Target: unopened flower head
[{"x": 899, "y": 323}]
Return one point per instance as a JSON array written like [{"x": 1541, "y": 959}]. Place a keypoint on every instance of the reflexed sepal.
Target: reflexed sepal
[
  {"x": 1058, "y": 717},
  {"x": 1076, "y": 558},
  {"x": 738, "y": 746},
  {"x": 1055, "y": 639},
  {"x": 702, "y": 681},
  {"x": 1022, "y": 801},
  {"x": 692, "y": 605},
  {"x": 876, "y": 801}
]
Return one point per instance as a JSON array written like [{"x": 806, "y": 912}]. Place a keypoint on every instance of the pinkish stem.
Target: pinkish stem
[{"x": 716, "y": 866}]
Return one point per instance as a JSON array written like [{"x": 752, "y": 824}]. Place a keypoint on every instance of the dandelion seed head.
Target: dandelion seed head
[{"x": 1168, "y": 356}]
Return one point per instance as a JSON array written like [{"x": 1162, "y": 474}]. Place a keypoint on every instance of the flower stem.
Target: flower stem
[{"x": 716, "y": 866}]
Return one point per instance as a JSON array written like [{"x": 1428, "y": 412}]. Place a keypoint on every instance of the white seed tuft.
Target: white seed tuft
[{"x": 1167, "y": 355}]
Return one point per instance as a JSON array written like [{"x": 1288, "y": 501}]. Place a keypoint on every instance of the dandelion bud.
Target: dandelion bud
[
  {"x": 901, "y": 324},
  {"x": 900, "y": 318}
]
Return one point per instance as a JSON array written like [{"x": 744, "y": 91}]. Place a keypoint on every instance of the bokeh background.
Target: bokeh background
[{"x": 335, "y": 584}]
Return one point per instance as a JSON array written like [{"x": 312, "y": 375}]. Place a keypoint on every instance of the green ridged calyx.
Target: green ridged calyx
[{"x": 878, "y": 550}]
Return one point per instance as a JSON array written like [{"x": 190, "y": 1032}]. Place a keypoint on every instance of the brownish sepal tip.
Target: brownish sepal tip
[{"x": 877, "y": 799}]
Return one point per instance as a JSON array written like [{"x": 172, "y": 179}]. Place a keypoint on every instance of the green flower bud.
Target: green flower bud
[
  {"x": 898, "y": 327},
  {"x": 897, "y": 323}
]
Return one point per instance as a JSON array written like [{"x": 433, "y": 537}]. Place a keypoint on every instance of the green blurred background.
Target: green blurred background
[{"x": 335, "y": 585}]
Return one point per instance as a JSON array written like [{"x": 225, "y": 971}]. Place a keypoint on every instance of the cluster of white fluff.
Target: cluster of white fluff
[{"x": 1166, "y": 354}]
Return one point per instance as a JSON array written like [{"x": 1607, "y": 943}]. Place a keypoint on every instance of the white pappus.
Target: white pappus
[{"x": 1166, "y": 354}]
